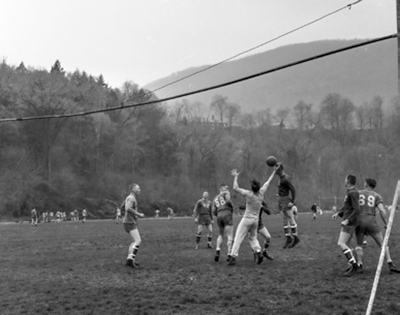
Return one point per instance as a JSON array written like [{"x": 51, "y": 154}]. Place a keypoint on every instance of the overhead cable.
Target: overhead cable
[
  {"x": 292, "y": 64},
  {"x": 349, "y": 6}
]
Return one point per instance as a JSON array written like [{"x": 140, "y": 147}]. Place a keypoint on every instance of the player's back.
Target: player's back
[
  {"x": 368, "y": 200},
  {"x": 222, "y": 202}
]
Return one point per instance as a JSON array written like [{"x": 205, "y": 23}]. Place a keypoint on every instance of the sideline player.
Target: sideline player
[
  {"x": 34, "y": 217},
  {"x": 131, "y": 224},
  {"x": 222, "y": 208},
  {"x": 157, "y": 216},
  {"x": 314, "y": 211},
  {"x": 349, "y": 214},
  {"x": 264, "y": 231},
  {"x": 203, "y": 216},
  {"x": 170, "y": 213},
  {"x": 118, "y": 219},
  {"x": 369, "y": 201},
  {"x": 249, "y": 222},
  {"x": 286, "y": 199},
  {"x": 84, "y": 215}
]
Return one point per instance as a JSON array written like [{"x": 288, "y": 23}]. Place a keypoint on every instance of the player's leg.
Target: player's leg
[
  {"x": 220, "y": 237},
  {"x": 286, "y": 229},
  {"x": 255, "y": 245},
  {"x": 229, "y": 237},
  {"x": 198, "y": 234},
  {"x": 241, "y": 233},
  {"x": 344, "y": 236},
  {"x": 293, "y": 229},
  {"x": 378, "y": 238},
  {"x": 359, "y": 252},
  {"x": 134, "y": 247},
  {"x": 267, "y": 236},
  {"x": 209, "y": 235},
  {"x": 282, "y": 204}
]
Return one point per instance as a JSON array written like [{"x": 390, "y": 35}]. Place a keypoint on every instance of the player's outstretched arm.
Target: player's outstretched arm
[{"x": 264, "y": 187}]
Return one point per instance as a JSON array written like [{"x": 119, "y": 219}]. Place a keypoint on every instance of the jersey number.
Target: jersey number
[
  {"x": 219, "y": 201},
  {"x": 370, "y": 201}
]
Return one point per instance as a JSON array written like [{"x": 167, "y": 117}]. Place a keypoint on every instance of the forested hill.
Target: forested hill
[{"x": 358, "y": 74}]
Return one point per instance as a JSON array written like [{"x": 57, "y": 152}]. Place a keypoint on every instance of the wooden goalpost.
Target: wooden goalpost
[{"x": 382, "y": 255}]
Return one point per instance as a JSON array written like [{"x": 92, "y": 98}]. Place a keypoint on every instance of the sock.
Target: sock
[
  {"x": 359, "y": 255},
  {"x": 293, "y": 228},
  {"x": 198, "y": 237},
  {"x": 286, "y": 230},
  {"x": 349, "y": 255}
]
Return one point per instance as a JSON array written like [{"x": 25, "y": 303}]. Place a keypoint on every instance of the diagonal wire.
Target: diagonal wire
[
  {"x": 292, "y": 64},
  {"x": 349, "y": 6}
]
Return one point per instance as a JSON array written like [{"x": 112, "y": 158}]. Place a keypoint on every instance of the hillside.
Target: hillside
[{"x": 358, "y": 74}]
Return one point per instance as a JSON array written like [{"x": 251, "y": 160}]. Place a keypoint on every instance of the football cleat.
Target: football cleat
[
  {"x": 392, "y": 268},
  {"x": 216, "y": 258},
  {"x": 287, "y": 242},
  {"x": 352, "y": 270},
  {"x": 232, "y": 261},
  {"x": 209, "y": 245},
  {"x": 129, "y": 263},
  {"x": 260, "y": 258},
  {"x": 294, "y": 242},
  {"x": 197, "y": 246},
  {"x": 360, "y": 269},
  {"x": 267, "y": 255},
  {"x": 228, "y": 258}
]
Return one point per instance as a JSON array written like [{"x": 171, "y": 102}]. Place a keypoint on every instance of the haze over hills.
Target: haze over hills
[{"x": 358, "y": 74}]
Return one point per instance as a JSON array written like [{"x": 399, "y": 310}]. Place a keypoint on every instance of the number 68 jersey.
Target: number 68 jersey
[{"x": 368, "y": 201}]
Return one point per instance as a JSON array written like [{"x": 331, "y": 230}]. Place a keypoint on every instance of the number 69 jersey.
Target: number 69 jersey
[
  {"x": 368, "y": 201},
  {"x": 222, "y": 203}
]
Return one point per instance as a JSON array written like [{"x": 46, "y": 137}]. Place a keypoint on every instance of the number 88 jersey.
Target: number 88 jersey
[{"x": 368, "y": 201}]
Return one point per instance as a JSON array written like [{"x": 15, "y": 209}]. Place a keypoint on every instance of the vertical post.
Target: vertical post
[
  {"x": 398, "y": 46},
  {"x": 382, "y": 255}
]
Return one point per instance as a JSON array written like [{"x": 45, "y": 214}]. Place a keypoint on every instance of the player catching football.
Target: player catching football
[
  {"x": 286, "y": 199},
  {"x": 249, "y": 223}
]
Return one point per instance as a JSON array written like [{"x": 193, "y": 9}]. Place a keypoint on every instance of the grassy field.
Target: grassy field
[{"x": 76, "y": 268}]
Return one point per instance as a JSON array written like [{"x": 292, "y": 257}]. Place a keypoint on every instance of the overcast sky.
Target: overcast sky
[{"x": 144, "y": 40}]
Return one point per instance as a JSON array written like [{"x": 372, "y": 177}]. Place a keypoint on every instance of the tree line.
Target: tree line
[{"x": 176, "y": 151}]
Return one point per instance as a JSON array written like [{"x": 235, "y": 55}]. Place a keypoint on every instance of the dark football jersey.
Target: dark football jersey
[{"x": 368, "y": 201}]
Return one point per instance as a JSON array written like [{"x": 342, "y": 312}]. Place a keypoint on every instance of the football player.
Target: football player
[
  {"x": 222, "y": 208},
  {"x": 203, "y": 217}
]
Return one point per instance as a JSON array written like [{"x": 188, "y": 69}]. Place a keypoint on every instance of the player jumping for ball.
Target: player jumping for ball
[
  {"x": 249, "y": 223},
  {"x": 286, "y": 199},
  {"x": 222, "y": 208}
]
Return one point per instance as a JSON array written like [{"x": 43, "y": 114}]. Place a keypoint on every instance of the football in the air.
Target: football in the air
[{"x": 271, "y": 161}]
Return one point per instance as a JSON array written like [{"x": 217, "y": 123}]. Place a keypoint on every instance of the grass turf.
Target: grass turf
[{"x": 76, "y": 268}]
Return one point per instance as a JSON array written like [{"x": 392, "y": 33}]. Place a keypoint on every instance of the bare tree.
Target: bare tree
[
  {"x": 281, "y": 115},
  {"x": 301, "y": 111},
  {"x": 233, "y": 110},
  {"x": 337, "y": 115},
  {"x": 219, "y": 104}
]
